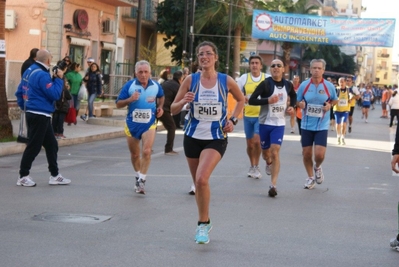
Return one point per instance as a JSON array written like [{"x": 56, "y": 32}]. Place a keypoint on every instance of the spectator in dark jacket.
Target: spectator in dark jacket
[
  {"x": 29, "y": 61},
  {"x": 61, "y": 110},
  {"x": 170, "y": 88},
  {"x": 94, "y": 87}
]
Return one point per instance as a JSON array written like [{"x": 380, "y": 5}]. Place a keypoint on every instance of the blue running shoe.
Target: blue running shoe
[{"x": 202, "y": 233}]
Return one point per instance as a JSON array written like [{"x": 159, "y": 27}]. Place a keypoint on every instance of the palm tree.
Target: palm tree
[
  {"x": 218, "y": 11},
  {"x": 288, "y": 6},
  {"x": 5, "y": 123}
]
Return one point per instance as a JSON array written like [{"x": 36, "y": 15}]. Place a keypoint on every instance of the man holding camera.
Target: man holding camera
[{"x": 37, "y": 93}]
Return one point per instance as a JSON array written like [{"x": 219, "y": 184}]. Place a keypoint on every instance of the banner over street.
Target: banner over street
[{"x": 286, "y": 27}]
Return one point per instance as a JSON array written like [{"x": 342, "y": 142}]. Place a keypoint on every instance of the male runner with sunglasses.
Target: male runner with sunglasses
[{"x": 272, "y": 95}]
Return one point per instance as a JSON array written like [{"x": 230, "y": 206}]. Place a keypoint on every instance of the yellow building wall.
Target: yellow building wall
[{"x": 163, "y": 54}]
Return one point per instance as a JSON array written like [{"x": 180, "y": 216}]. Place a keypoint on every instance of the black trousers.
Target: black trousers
[
  {"x": 58, "y": 122},
  {"x": 169, "y": 124},
  {"x": 177, "y": 119},
  {"x": 40, "y": 133},
  {"x": 394, "y": 112}
]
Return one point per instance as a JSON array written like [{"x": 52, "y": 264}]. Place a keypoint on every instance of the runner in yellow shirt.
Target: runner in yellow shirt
[
  {"x": 247, "y": 83},
  {"x": 341, "y": 110}
]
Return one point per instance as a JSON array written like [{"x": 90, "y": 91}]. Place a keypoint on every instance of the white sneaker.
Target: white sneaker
[
  {"x": 192, "y": 190},
  {"x": 58, "y": 180},
  {"x": 139, "y": 188},
  {"x": 26, "y": 181},
  {"x": 310, "y": 183},
  {"x": 268, "y": 169},
  {"x": 257, "y": 174},
  {"x": 251, "y": 172},
  {"x": 318, "y": 173},
  {"x": 292, "y": 130}
]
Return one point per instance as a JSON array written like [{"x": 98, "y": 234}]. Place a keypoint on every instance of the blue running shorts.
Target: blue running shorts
[
  {"x": 319, "y": 138},
  {"x": 341, "y": 117},
  {"x": 251, "y": 126},
  {"x": 270, "y": 135}
]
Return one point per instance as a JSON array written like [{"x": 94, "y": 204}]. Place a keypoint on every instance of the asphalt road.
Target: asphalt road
[{"x": 99, "y": 221}]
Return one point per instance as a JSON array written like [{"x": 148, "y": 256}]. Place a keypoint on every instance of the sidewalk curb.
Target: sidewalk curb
[
  {"x": 16, "y": 148},
  {"x": 11, "y": 148}
]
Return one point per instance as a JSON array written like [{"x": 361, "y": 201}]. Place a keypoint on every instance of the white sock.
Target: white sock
[{"x": 142, "y": 176}]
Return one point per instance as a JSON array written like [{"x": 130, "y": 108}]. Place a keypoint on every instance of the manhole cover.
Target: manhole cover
[{"x": 71, "y": 218}]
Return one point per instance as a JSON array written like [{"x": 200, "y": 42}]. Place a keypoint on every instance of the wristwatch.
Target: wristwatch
[{"x": 234, "y": 120}]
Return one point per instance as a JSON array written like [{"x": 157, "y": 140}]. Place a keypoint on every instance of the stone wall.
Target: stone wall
[{"x": 14, "y": 112}]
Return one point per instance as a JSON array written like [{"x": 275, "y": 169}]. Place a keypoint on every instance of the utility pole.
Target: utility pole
[
  {"x": 184, "y": 55},
  {"x": 138, "y": 33},
  {"x": 192, "y": 54},
  {"x": 229, "y": 38}
]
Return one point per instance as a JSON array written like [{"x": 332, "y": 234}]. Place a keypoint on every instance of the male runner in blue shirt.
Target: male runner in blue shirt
[{"x": 315, "y": 97}]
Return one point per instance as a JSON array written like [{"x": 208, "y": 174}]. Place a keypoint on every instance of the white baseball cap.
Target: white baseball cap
[{"x": 90, "y": 59}]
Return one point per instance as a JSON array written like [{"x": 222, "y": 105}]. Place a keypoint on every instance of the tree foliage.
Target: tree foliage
[
  {"x": 348, "y": 65},
  {"x": 330, "y": 53},
  {"x": 335, "y": 59},
  {"x": 170, "y": 21},
  {"x": 211, "y": 24},
  {"x": 217, "y": 13}
]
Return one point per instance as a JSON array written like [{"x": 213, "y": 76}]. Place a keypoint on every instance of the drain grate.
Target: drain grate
[{"x": 71, "y": 218}]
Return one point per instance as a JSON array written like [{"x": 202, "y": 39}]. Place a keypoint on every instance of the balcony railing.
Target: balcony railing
[{"x": 149, "y": 11}]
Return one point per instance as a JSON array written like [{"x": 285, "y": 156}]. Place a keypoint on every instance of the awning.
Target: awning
[
  {"x": 333, "y": 73},
  {"x": 108, "y": 46},
  {"x": 128, "y": 3},
  {"x": 79, "y": 41}
]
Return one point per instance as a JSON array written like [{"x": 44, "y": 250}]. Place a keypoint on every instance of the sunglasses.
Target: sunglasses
[
  {"x": 207, "y": 54},
  {"x": 276, "y": 65}
]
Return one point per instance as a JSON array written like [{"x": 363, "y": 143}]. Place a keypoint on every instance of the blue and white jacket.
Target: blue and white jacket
[{"x": 39, "y": 90}]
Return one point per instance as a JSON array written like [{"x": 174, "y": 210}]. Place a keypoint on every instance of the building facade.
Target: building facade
[{"x": 105, "y": 30}]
